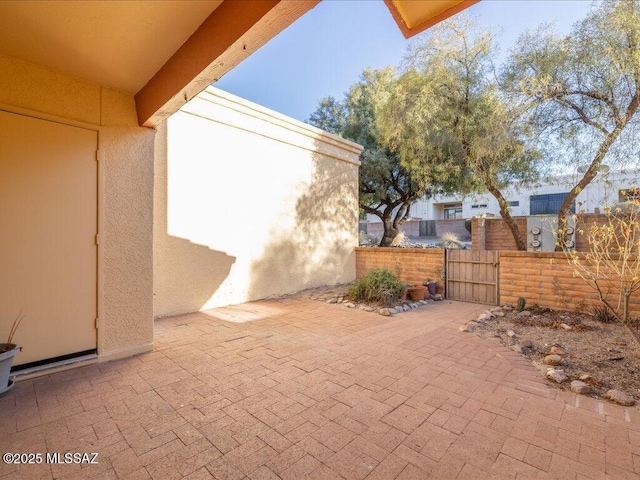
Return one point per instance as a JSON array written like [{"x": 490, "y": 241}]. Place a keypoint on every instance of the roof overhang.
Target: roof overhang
[
  {"x": 415, "y": 16},
  {"x": 165, "y": 52}
]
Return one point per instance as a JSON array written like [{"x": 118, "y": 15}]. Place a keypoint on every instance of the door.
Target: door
[
  {"x": 472, "y": 276},
  {"x": 48, "y": 224}
]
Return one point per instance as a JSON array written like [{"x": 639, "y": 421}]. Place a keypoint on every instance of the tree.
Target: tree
[
  {"x": 387, "y": 189},
  {"x": 582, "y": 91},
  {"x": 612, "y": 265},
  {"x": 447, "y": 113}
]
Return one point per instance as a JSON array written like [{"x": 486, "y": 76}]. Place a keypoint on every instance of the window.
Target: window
[
  {"x": 629, "y": 194},
  {"x": 548, "y": 204},
  {"x": 452, "y": 212},
  {"x": 514, "y": 203},
  {"x": 480, "y": 205}
]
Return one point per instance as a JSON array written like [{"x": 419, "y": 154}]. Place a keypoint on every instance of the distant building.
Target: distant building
[{"x": 546, "y": 197}]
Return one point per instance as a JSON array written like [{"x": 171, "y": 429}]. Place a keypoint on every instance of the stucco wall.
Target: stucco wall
[
  {"x": 125, "y": 187},
  {"x": 249, "y": 204}
]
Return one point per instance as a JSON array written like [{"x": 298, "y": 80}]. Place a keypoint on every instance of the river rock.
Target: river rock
[
  {"x": 526, "y": 343},
  {"x": 580, "y": 387},
  {"x": 557, "y": 375},
  {"x": 385, "y": 312},
  {"x": 620, "y": 397},
  {"x": 555, "y": 350},
  {"x": 553, "y": 360}
]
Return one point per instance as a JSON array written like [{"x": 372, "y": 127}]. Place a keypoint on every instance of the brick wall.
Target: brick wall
[
  {"x": 453, "y": 226},
  {"x": 412, "y": 265},
  {"x": 497, "y": 235},
  {"x": 546, "y": 278},
  {"x": 411, "y": 228}
]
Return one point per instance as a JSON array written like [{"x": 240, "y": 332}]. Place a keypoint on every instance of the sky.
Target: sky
[{"x": 324, "y": 51}]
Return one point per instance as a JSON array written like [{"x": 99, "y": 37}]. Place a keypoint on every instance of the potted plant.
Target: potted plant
[
  {"x": 431, "y": 285},
  {"x": 8, "y": 350},
  {"x": 417, "y": 293}
]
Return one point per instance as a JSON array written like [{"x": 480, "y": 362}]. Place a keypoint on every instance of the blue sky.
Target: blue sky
[{"x": 325, "y": 51}]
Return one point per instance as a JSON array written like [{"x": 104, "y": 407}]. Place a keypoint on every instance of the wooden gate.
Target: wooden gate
[{"x": 472, "y": 276}]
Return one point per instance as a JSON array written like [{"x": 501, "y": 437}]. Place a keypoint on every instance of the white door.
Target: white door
[{"x": 48, "y": 223}]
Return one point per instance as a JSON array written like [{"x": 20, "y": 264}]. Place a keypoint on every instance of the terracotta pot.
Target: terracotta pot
[{"x": 417, "y": 293}]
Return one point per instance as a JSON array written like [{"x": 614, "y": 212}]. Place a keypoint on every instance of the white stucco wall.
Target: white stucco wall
[
  {"x": 125, "y": 189},
  {"x": 249, "y": 204},
  {"x": 601, "y": 192}
]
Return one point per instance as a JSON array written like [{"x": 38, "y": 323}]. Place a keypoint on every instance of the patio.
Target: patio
[{"x": 294, "y": 388}]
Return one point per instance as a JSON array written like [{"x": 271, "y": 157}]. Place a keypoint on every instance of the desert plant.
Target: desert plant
[
  {"x": 14, "y": 327},
  {"x": 450, "y": 240},
  {"x": 602, "y": 314},
  {"x": 611, "y": 266},
  {"x": 379, "y": 285},
  {"x": 399, "y": 239},
  {"x": 521, "y": 304}
]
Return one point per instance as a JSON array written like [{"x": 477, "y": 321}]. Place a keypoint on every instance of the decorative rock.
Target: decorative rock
[
  {"x": 399, "y": 309},
  {"x": 385, "y": 312},
  {"x": 557, "y": 375},
  {"x": 553, "y": 360},
  {"x": 495, "y": 310},
  {"x": 523, "y": 314},
  {"x": 465, "y": 328},
  {"x": 367, "y": 309},
  {"x": 350, "y": 305},
  {"x": 580, "y": 388},
  {"x": 555, "y": 350},
  {"x": 566, "y": 327},
  {"x": 585, "y": 377},
  {"x": 406, "y": 307},
  {"x": 484, "y": 317},
  {"x": 507, "y": 307},
  {"x": 511, "y": 333},
  {"x": 332, "y": 300},
  {"x": 423, "y": 302},
  {"x": 526, "y": 343},
  {"x": 519, "y": 349},
  {"x": 438, "y": 297},
  {"x": 499, "y": 314},
  {"x": 620, "y": 397}
]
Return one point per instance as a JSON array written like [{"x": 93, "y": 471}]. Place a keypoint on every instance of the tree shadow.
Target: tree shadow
[
  {"x": 319, "y": 248},
  {"x": 186, "y": 274}
]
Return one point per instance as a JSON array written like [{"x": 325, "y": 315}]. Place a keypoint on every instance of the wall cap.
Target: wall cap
[{"x": 316, "y": 139}]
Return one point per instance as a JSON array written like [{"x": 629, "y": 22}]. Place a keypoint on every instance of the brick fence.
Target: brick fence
[
  {"x": 493, "y": 233},
  {"x": 411, "y": 265},
  {"x": 542, "y": 278}
]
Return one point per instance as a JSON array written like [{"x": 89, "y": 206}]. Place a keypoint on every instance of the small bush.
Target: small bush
[
  {"x": 467, "y": 224},
  {"x": 450, "y": 240},
  {"x": 602, "y": 314},
  {"x": 379, "y": 285}
]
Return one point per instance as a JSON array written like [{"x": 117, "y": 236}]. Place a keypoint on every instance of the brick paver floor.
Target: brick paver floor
[{"x": 296, "y": 389}]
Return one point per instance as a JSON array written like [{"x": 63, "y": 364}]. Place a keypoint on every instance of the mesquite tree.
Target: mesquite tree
[
  {"x": 448, "y": 113},
  {"x": 582, "y": 91},
  {"x": 387, "y": 189}
]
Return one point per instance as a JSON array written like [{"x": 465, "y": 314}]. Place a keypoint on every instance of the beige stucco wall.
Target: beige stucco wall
[
  {"x": 125, "y": 186},
  {"x": 249, "y": 204}
]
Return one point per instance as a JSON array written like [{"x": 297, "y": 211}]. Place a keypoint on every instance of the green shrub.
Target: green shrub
[
  {"x": 379, "y": 285},
  {"x": 467, "y": 224}
]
